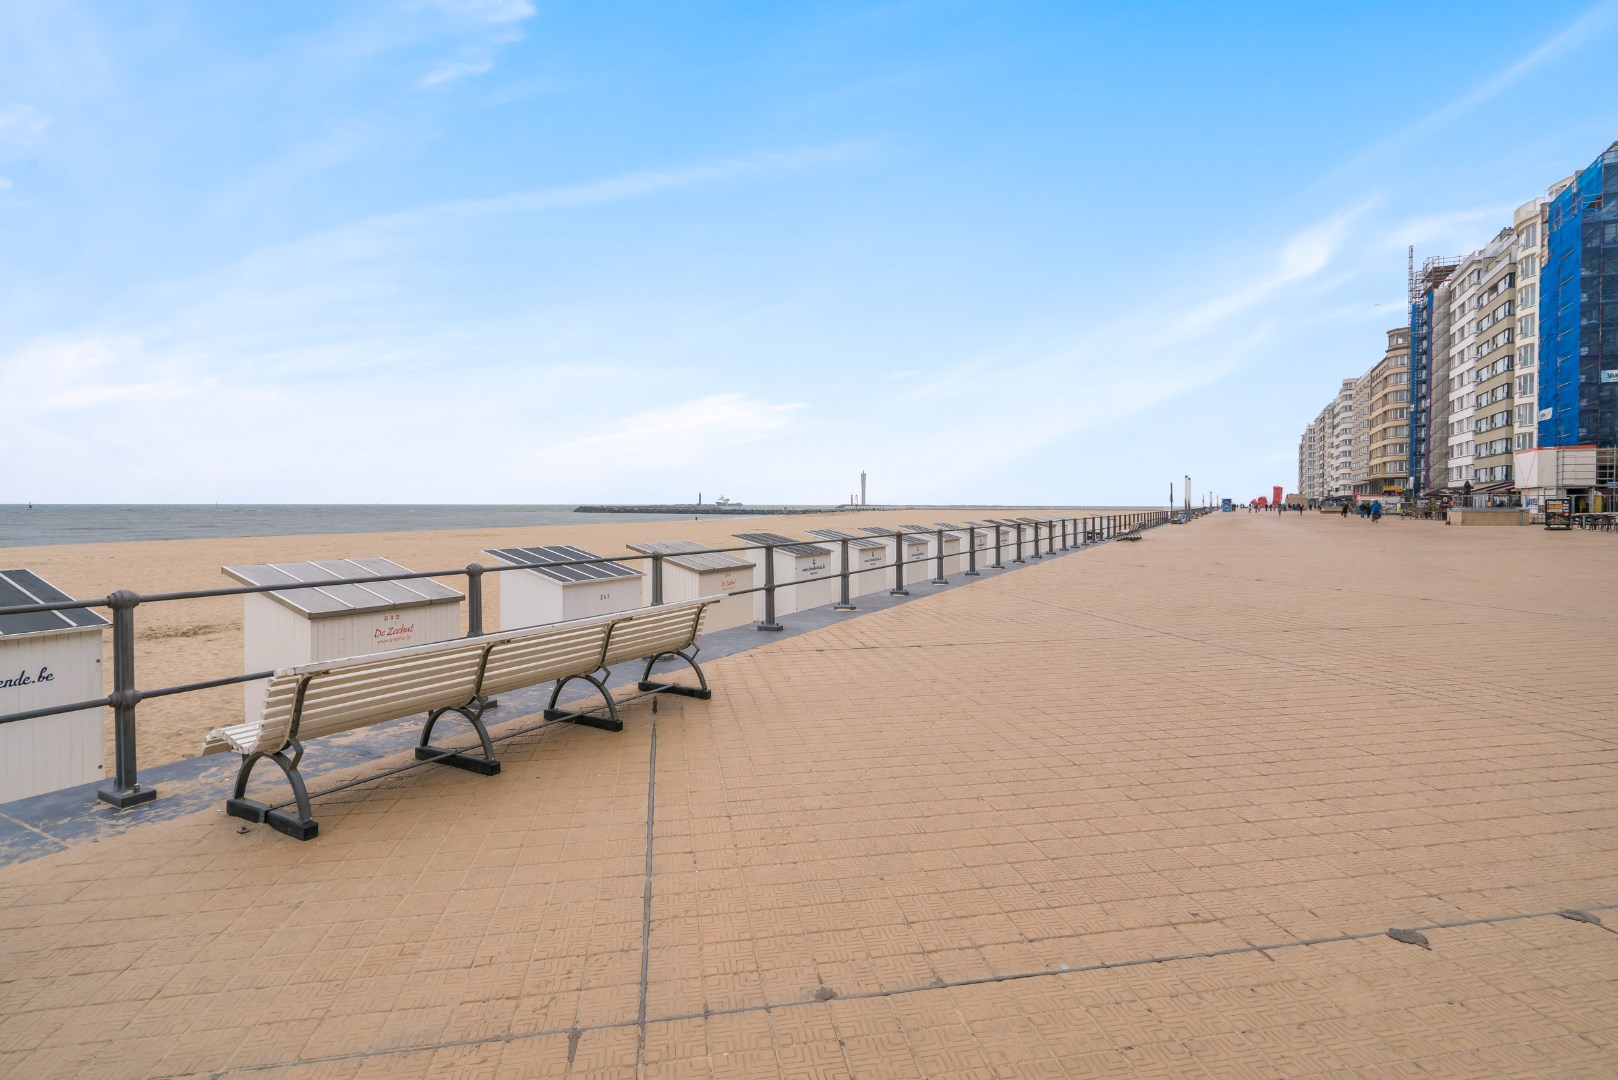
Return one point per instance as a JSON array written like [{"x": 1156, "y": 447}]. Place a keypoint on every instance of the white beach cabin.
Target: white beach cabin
[
  {"x": 808, "y": 567},
  {"x": 48, "y": 658},
  {"x": 550, "y": 593},
  {"x": 954, "y": 561},
  {"x": 915, "y": 548},
  {"x": 691, "y": 572},
  {"x": 868, "y": 559},
  {"x": 979, "y": 539},
  {"x": 299, "y": 626}
]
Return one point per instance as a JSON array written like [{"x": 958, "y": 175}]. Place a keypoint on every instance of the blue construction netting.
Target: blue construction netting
[
  {"x": 1421, "y": 394},
  {"x": 1578, "y": 312}
]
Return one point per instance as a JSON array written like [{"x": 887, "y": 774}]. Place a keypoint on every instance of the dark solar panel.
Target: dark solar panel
[
  {"x": 561, "y": 553},
  {"x": 853, "y": 541},
  {"x": 19, "y": 587},
  {"x": 786, "y": 543},
  {"x": 691, "y": 555},
  {"x": 342, "y": 599}
]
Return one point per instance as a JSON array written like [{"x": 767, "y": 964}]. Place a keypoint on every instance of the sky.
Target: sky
[{"x": 535, "y": 251}]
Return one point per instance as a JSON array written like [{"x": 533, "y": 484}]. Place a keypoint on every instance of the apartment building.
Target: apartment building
[
  {"x": 1529, "y": 225},
  {"x": 1388, "y": 419},
  {"x": 1492, "y": 354},
  {"x": 1429, "y": 360},
  {"x": 1340, "y": 476},
  {"x": 1313, "y": 450},
  {"x": 1480, "y": 302}
]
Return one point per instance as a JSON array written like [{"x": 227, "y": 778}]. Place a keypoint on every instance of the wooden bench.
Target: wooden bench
[{"x": 451, "y": 677}]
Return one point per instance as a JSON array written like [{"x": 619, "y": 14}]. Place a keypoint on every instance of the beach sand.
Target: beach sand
[{"x": 186, "y": 641}]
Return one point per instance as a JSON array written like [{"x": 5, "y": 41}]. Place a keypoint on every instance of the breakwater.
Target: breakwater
[{"x": 712, "y": 510}]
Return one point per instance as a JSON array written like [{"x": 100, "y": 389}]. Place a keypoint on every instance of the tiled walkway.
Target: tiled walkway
[{"x": 1147, "y": 810}]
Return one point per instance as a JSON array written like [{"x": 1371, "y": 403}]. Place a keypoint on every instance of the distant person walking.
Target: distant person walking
[
  {"x": 1345, "y": 511},
  {"x": 1376, "y": 510}
]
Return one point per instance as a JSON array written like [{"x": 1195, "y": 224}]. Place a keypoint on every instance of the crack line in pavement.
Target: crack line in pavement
[
  {"x": 646, "y": 899},
  {"x": 871, "y": 995}
]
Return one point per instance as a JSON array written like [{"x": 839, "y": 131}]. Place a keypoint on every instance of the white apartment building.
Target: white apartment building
[
  {"x": 1340, "y": 477},
  {"x": 1473, "y": 333},
  {"x": 1313, "y": 451},
  {"x": 1529, "y": 225}
]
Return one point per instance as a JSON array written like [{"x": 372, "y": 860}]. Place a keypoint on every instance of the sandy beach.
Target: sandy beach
[{"x": 192, "y": 640}]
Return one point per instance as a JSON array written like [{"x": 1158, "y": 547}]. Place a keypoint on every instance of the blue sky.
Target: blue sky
[{"x": 523, "y": 251}]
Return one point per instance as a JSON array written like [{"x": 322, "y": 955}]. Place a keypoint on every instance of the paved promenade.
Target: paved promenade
[{"x": 1149, "y": 809}]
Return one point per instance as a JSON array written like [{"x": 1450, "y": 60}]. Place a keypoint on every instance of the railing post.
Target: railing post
[
  {"x": 938, "y": 563},
  {"x": 125, "y": 790},
  {"x": 899, "y": 566},
  {"x": 657, "y": 579},
  {"x": 1050, "y": 537},
  {"x": 972, "y": 551},
  {"x": 769, "y": 622},
  {"x": 1035, "y": 527},
  {"x": 843, "y": 603},
  {"x": 474, "y": 600},
  {"x": 997, "y": 564},
  {"x": 1019, "y": 557}
]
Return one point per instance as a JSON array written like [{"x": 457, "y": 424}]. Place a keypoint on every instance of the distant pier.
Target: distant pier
[{"x": 711, "y": 509}]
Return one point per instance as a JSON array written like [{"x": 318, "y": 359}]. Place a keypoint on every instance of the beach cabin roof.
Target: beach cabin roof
[
  {"x": 561, "y": 553},
  {"x": 690, "y": 555},
  {"x": 19, "y": 587},
  {"x": 330, "y": 600}
]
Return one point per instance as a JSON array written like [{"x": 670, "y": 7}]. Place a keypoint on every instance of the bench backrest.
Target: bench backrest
[
  {"x": 666, "y": 628},
  {"x": 368, "y": 690}
]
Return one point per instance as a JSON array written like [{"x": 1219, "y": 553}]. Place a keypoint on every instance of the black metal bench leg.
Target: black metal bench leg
[
  {"x": 301, "y": 827},
  {"x": 699, "y": 691},
  {"x": 487, "y": 765},
  {"x": 610, "y": 722}
]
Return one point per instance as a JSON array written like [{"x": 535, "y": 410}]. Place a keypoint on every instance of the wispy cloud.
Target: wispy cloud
[
  {"x": 487, "y": 11},
  {"x": 1594, "y": 23},
  {"x": 486, "y": 27},
  {"x": 455, "y": 69},
  {"x": 21, "y": 124}
]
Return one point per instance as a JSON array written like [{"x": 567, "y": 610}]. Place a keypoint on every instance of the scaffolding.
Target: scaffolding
[{"x": 1435, "y": 270}]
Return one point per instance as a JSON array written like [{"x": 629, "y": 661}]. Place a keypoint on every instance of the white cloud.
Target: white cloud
[
  {"x": 457, "y": 69},
  {"x": 495, "y": 25},
  {"x": 487, "y": 11},
  {"x": 22, "y": 124}
]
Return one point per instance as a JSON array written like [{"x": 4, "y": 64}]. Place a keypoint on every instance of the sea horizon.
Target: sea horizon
[{"x": 53, "y": 524}]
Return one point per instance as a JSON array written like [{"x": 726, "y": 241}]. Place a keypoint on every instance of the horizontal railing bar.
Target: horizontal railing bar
[
  {"x": 209, "y": 684},
  {"x": 56, "y": 710}
]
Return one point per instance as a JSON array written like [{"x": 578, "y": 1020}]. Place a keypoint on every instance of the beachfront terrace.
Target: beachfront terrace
[{"x": 1141, "y": 810}]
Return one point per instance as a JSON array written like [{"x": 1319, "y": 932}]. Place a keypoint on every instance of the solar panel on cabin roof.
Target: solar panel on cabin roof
[
  {"x": 910, "y": 538},
  {"x": 561, "y": 553},
  {"x": 861, "y": 542},
  {"x": 691, "y": 555},
  {"x": 786, "y": 543},
  {"x": 19, "y": 587},
  {"x": 331, "y": 600}
]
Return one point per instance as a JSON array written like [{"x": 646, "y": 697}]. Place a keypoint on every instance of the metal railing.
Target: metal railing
[{"x": 124, "y": 790}]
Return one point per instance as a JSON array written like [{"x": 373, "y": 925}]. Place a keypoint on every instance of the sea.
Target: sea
[{"x": 46, "y": 524}]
